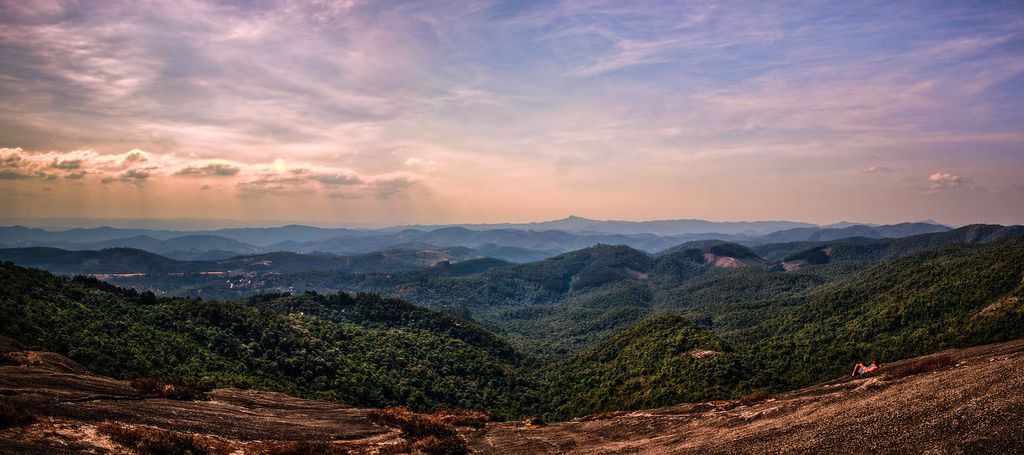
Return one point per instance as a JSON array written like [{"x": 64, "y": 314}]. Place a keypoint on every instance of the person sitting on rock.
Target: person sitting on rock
[{"x": 860, "y": 368}]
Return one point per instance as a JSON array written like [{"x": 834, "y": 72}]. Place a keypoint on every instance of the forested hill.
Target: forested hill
[
  {"x": 957, "y": 296},
  {"x": 357, "y": 349},
  {"x": 878, "y": 250}
]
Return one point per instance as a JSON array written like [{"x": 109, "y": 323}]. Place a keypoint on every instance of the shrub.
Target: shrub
[
  {"x": 433, "y": 445},
  {"x": 429, "y": 433},
  {"x": 535, "y": 421},
  {"x": 20, "y": 358},
  {"x": 13, "y": 415},
  {"x": 753, "y": 398},
  {"x": 464, "y": 417},
  {"x": 176, "y": 389},
  {"x": 156, "y": 441}
]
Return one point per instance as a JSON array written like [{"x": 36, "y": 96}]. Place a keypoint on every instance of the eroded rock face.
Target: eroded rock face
[
  {"x": 969, "y": 403},
  {"x": 971, "y": 407},
  {"x": 698, "y": 353}
]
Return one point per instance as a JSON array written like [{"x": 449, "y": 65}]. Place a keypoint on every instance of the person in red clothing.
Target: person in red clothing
[{"x": 860, "y": 368}]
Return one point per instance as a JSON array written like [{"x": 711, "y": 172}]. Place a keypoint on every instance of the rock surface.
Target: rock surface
[
  {"x": 960, "y": 401},
  {"x": 972, "y": 401}
]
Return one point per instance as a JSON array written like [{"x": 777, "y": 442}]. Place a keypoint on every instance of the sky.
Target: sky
[{"x": 386, "y": 112}]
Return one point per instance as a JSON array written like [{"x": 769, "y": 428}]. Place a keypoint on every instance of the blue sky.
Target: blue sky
[{"x": 412, "y": 112}]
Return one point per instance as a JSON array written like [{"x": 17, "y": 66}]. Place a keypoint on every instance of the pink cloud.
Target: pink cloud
[{"x": 945, "y": 181}]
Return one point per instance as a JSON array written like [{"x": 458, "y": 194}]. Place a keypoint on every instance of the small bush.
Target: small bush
[
  {"x": 156, "y": 441},
  {"x": 13, "y": 415},
  {"x": 433, "y": 445},
  {"x": 412, "y": 425},
  {"x": 464, "y": 418},
  {"x": 20, "y": 358},
  {"x": 429, "y": 433},
  {"x": 177, "y": 389},
  {"x": 922, "y": 365},
  {"x": 753, "y": 398}
]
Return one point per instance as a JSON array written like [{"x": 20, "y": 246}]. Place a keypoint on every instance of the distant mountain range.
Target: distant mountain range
[
  {"x": 512, "y": 242},
  {"x": 114, "y": 261},
  {"x": 575, "y": 224}
]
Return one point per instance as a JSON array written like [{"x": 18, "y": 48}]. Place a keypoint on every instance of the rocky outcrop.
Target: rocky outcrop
[{"x": 960, "y": 401}]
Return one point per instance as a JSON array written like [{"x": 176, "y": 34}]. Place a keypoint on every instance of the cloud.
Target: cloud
[
  {"x": 67, "y": 165},
  {"x": 134, "y": 175},
  {"x": 945, "y": 181},
  {"x": 274, "y": 178},
  {"x": 392, "y": 188},
  {"x": 337, "y": 179},
  {"x": 209, "y": 170},
  {"x": 135, "y": 156},
  {"x": 7, "y": 174},
  {"x": 273, "y": 184},
  {"x": 15, "y": 167},
  {"x": 876, "y": 170},
  {"x": 414, "y": 162}
]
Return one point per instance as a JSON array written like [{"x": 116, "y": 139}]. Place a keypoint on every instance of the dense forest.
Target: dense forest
[
  {"x": 953, "y": 297},
  {"x": 600, "y": 329},
  {"x": 358, "y": 349}
]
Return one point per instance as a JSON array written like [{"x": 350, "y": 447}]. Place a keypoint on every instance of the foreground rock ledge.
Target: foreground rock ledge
[{"x": 959, "y": 401}]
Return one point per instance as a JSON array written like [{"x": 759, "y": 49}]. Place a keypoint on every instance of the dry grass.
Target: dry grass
[
  {"x": 433, "y": 445},
  {"x": 156, "y": 441},
  {"x": 13, "y": 415},
  {"x": 464, "y": 417},
  {"x": 177, "y": 389},
  {"x": 432, "y": 434},
  {"x": 296, "y": 448},
  {"x": 922, "y": 365}
]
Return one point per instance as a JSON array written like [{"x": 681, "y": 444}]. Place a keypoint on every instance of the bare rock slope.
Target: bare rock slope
[{"x": 959, "y": 401}]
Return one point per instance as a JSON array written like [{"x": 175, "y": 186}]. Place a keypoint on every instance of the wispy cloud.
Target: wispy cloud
[
  {"x": 876, "y": 170},
  {"x": 371, "y": 105},
  {"x": 209, "y": 170}
]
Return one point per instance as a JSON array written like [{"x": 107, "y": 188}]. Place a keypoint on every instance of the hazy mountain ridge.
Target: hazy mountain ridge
[
  {"x": 137, "y": 261},
  {"x": 871, "y": 232},
  {"x": 575, "y": 224},
  {"x": 524, "y": 243}
]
